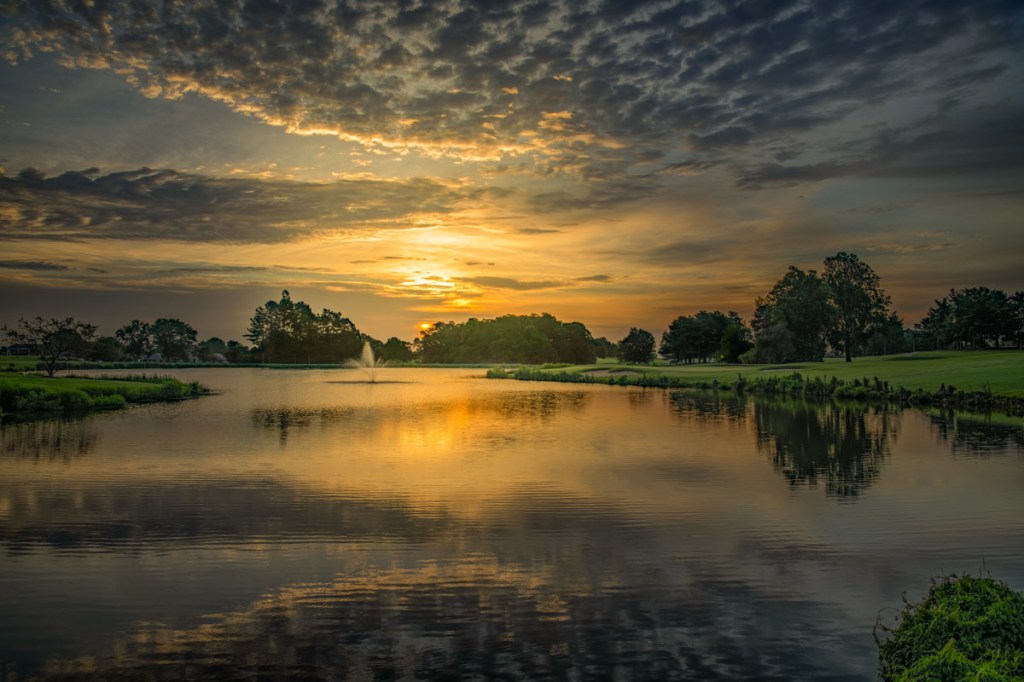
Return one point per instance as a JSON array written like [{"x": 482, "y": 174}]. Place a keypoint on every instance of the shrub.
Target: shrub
[{"x": 967, "y": 628}]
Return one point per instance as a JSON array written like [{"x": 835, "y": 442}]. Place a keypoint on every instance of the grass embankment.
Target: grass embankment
[
  {"x": 26, "y": 396},
  {"x": 976, "y": 379},
  {"x": 967, "y": 628}
]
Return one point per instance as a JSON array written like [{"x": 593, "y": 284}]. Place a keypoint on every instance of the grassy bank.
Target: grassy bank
[
  {"x": 26, "y": 396},
  {"x": 979, "y": 380}
]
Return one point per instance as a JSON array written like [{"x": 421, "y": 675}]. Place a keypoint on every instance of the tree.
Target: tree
[
  {"x": 54, "y": 339},
  {"x": 136, "y": 338},
  {"x": 174, "y": 339},
  {"x": 603, "y": 348},
  {"x": 887, "y": 337},
  {"x": 735, "y": 339},
  {"x": 857, "y": 299},
  {"x": 395, "y": 350},
  {"x": 973, "y": 318},
  {"x": 791, "y": 321},
  {"x": 532, "y": 339},
  {"x": 104, "y": 349},
  {"x": 637, "y": 347},
  {"x": 1017, "y": 317}
]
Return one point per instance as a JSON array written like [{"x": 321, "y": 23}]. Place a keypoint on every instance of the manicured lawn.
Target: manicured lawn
[{"x": 1000, "y": 371}]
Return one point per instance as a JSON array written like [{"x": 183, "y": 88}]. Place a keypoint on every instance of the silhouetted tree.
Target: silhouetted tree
[
  {"x": 791, "y": 322},
  {"x": 975, "y": 317},
  {"x": 637, "y": 347},
  {"x": 104, "y": 349},
  {"x": 857, "y": 299},
  {"x": 174, "y": 339},
  {"x": 136, "y": 338},
  {"x": 735, "y": 339},
  {"x": 603, "y": 348},
  {"x": 53, "y": 339},
  {"x": 395, "y": 350},
  {"x": 531, "y": 339}
]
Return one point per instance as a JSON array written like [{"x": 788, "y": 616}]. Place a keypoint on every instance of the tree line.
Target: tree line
[
  {"x": 801, "y": 318},
  {"x": 528, "y": 339},
  {"x": 843, "y": 310}
]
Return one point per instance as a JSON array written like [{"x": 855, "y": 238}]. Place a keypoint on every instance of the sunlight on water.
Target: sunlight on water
[{"x": 311, "y": 523}]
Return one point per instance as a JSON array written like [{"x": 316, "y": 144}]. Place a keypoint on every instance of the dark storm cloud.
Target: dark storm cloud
[
  {"x": 43, "y": 265},
  {"x": 166, "y": 204},
  {"x": 624, "y": 79}
]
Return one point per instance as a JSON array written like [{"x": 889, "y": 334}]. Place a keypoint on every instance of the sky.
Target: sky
[{"x": 401, "y": 162}]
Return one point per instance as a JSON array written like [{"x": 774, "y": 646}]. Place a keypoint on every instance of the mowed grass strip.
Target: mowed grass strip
[
  {"x": 1001, "y": 371},
  {"x": 27, "y": 395}
]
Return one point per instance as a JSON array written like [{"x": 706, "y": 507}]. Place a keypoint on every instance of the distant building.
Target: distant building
[{"x": 18, "y": 349}]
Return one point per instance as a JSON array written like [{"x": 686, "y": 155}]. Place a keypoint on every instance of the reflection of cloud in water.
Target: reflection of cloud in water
[{"x": 480, "y": 619}]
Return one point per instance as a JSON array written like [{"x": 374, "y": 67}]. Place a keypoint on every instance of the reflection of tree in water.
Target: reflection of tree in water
[
  {"x": 53, "y": 440},
  {"x": 977, "y": 437},
  {"x": 283, "y": 419},
  {"x": 844, "y": 445},
  {"x": 528, "y": 406},
  {"x": 710, "y": 406}
]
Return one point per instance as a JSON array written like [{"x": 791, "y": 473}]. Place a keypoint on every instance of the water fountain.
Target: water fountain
[{"x": 367, "y": 362}]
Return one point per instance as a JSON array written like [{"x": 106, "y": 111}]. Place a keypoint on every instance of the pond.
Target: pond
[{"x": 440, "y": 525}]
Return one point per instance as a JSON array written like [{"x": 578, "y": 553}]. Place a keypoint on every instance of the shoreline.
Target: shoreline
[{"x": 28, "y": 397}]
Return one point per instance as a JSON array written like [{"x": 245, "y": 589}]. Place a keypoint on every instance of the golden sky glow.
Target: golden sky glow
[{"x": 562, "y": 159}]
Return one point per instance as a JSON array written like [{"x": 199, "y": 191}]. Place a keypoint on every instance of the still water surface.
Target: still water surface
[{"x": 439, "y": 525}]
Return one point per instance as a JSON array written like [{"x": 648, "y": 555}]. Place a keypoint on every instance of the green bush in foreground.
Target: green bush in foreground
[{"x": 967, "y": 628}]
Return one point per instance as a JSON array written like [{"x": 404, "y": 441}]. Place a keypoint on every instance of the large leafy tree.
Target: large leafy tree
[
  {"x": 511, "y": 338},
  {"x": 280, "y": 329},
  {"x": 696, "y": 338},
  {"x": 637, "y": 346},
  {"x": 289, "y": 331},
  {"x": 791, "y": 321},
  {"x": 136, "y": 338},
  {"x": 859, "y": 303},
  {"x": 735, "y": 339},
  {"x": 975, "y": 317},
  {"x": 52, "y": 338},
  {"x": 174, "y": 339}
]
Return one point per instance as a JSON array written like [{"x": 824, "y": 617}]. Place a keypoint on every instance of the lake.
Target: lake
[{"x": 438, "y": 525}]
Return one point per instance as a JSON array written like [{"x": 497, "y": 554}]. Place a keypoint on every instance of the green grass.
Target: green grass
[
  {"x": 29, "y": 396},
  {"x": 967, "y": 628},
  {"x": 1002, "y": 372},
  {"x": 18, "y": 363}
]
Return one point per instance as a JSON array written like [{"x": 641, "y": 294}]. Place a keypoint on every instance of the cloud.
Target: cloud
[
  {"x": 32, "y": 265},
  {"x": 513, "y": 284},
  {"x": 579, "y": 88},
  {"x": 171, "y": 205},
  {"x": 981, "y": 145}
]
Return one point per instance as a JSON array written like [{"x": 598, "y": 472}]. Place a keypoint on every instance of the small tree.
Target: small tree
[
  {"x": 53, "y": 339},
  {"x": 637, "y": 347}
]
